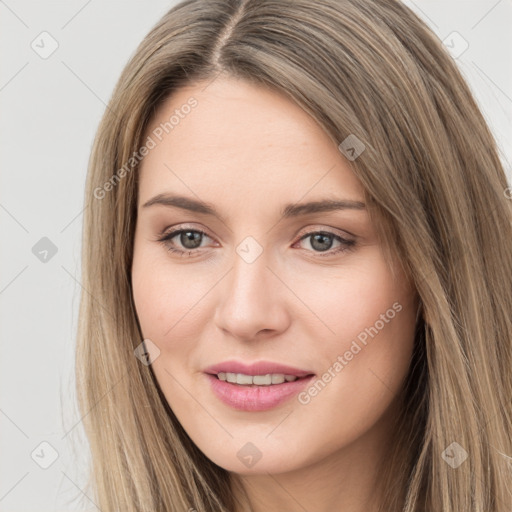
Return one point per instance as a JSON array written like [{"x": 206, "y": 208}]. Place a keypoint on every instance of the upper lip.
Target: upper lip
[{"x": 257, "y": 368}]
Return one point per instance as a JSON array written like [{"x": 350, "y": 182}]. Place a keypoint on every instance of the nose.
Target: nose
[{"x": 252, "y": 301}]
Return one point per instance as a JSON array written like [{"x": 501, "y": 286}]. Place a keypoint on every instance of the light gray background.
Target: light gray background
[{"x": 50, "y": 108}]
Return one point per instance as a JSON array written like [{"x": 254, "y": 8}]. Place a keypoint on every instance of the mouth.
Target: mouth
[
  {"x": 255, "y": 393},
  {"x": 255, "y": 369}
]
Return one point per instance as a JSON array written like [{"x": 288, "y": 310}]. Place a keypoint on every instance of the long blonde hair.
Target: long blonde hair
[{"x": 432, "y": 173}]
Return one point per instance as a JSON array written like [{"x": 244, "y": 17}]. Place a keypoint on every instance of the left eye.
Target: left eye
[
  {"x": 322, "y": 242},
  {"x": 190, "y": 239}
]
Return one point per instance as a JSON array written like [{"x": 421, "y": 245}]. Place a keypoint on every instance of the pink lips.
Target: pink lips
[{"x": 256, "y": 398}]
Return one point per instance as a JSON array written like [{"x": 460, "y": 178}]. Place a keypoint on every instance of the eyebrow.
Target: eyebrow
[{"x": 289, "y": 211}]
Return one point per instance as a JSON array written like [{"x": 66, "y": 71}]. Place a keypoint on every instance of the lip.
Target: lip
[
  {"x": 256, "y": 398},
  {"x": 257, "y": 368}
]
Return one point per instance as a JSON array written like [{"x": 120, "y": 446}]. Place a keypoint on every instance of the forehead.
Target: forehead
[{"x": 244, "y": 136}]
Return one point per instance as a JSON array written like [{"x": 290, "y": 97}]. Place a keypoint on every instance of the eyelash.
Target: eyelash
[{"x": 347, "y": 245}]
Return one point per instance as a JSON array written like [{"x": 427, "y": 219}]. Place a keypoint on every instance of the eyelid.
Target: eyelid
[
  {"x": 174, "y": 230},
  {"x": 309, "y": 230},
  {"x": 316, "y": 228}
]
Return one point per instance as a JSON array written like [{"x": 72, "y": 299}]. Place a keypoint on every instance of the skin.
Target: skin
[{"x": 248, "y": 151}]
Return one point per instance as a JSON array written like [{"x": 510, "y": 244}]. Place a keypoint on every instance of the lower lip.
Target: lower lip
[{"x": 261, "y": 398}]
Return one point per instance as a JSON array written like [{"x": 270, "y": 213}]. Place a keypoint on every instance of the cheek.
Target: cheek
[
  {"x": 165, "y": 299},
  {"x": 167, "y": 303},
  {"x": 358, "y": 302},
  {"x": 367, "y": 347}
]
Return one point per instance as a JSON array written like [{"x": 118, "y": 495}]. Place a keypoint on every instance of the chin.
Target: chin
[{"x": 248, "y": 458}]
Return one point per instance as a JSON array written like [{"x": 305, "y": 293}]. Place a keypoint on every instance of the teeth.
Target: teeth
[
  {"x": 261, "y": 380},
  {"x": 243, "y": 379},
  {"x": 276, "y": 378},
  {"x": 258, "y": 380}
]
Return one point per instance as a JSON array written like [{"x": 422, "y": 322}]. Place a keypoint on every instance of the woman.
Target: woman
[{"x": 297, "y": 262}]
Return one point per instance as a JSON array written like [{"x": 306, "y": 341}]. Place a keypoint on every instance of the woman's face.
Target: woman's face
[{"x": 270, "y": 259}]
